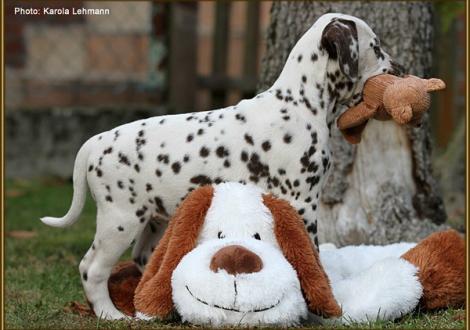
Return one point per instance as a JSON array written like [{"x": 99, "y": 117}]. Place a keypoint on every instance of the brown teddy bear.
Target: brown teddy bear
[{"x": 388, "y": 97}]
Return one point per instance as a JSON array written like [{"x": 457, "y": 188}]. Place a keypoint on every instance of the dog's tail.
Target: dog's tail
[{"x": 79, "y": 190}]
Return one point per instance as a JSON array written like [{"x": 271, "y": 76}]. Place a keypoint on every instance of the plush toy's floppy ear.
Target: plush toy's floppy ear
[
  {"x": 153, "y": 296},
  {"x": 352, "y": 122},
  {"x": 299, "y": 251}
]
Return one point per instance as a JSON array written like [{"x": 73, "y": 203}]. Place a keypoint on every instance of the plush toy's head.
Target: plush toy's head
[
  {"x": 231, "y": 256},
  {"x": 386, "y": 97}
]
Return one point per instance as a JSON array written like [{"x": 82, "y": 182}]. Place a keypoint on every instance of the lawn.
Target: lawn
[{"x": 41, "y": 266}]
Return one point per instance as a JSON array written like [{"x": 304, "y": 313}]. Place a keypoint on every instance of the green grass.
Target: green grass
[{"x": 41, "y": 273}]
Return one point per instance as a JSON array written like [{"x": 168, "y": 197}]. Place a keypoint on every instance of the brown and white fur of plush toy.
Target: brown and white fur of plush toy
[{"x": 233, "y": 255}]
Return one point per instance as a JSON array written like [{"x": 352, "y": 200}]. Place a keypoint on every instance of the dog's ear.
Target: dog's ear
[
  {"x": 339, "y": 39},
  {"x": 298, "y": 249},
  {"x": 153, "y": 296}
]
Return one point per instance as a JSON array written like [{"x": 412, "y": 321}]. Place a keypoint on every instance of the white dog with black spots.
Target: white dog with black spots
[{"x": 139, "y": 172}]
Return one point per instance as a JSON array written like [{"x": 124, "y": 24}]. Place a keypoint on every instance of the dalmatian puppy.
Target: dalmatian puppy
[{"x": 138, "y": 173}]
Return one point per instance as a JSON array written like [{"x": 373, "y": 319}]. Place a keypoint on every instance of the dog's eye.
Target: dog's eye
[
  {"x": 220, "y": 235},
  {"x": 256, "y": 236}
]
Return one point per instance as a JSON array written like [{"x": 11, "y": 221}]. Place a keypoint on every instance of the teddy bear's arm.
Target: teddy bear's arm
[{"x": 353, "y": 121}]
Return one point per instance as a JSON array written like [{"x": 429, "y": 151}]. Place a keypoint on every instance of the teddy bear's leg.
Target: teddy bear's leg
[{"x": 440, "y": 259}]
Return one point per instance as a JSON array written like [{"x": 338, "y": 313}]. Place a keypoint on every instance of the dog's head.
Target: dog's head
[
  {"x": 354, "y": 54},
  {"x": 233, "y": 255}
]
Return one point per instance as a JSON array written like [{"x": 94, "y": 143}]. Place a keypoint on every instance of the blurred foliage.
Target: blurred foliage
[{"x": 448, "y": 10}]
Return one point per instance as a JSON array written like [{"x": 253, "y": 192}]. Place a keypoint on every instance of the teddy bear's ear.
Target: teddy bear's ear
[
  {"x": 434, "y": 84},
  {"x": 297, "y": 247},
  {"x": 153, "y": 296}
]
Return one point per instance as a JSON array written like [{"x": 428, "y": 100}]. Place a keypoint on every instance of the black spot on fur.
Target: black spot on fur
[
  {"x": 201, "y": 179},
  {"x": 189, "y": 138},
  {"x": 165, "y": 158},
  {"x": 90, "y": 168},
  {"x": 120, "y": 228},
  {"x": 287, "y": 138},
  {"x": 204, "y": 152},
  {"x": 249, "y": 139},
  {"x": 123, "y": 159},
  {"x": 304, "y": 79},
  {"x": 176, "y": 167},
  {"x": 266, "y": 145},
  {"x": 186, "y": 158},
  {"x": 148, "y": 187},
  {"x": 140, "y": 212},
  {"x": 256, "y": 167},
  {"x": 109, "y": 198},
  {"x": 221, "y": 152},
  {"x": 200, "y": 131},
  {"x": 226, "y": 163},
  {"x": 240, "y": 118},
  {"x": 85, "y": 276},
  {"x": 299, "y": 58},
  {"x": 312, "y": 228},
  {"x": 244, "y": 156},
  {"x": 108, "y": 150},
  {"x": 158, "y": 173}
]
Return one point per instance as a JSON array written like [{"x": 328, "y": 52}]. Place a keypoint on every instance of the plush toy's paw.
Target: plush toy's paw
[
  {"x": 387, "y": 290},
  {"x": 143, "y": 317},
  {"x": 440, "y": 259}
]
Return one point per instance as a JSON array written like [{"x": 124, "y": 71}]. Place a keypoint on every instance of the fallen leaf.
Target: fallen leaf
[
  {"x": 77, "y": 308},
  {"x": 12, "y": 193},
  {"x": 21, "y": 234},
  {"x": 460, "y": 316}
]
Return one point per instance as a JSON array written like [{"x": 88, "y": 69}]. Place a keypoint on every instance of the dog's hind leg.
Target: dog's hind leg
[
  {"x": 148, "y": 240},
  {"x": 115, "y": 231}
]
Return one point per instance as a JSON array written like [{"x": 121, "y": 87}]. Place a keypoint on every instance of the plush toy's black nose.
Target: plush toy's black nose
[{"x": 236, "y": 259}]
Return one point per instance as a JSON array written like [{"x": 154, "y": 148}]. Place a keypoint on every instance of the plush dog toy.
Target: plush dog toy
[
  {"x": 233, "y": 255},
  {"x": 387, "y": 97}
]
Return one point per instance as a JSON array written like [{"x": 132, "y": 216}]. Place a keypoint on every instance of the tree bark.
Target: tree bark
[{"x": 381, "y": 190}]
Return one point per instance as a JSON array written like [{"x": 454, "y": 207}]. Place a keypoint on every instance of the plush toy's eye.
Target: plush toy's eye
[
  {"x": 220, "y": 235},
  {"x": 256, "y": 236}
]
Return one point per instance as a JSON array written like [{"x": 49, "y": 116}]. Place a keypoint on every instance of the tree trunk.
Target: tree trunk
[{"x": 381, "y": 190}]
